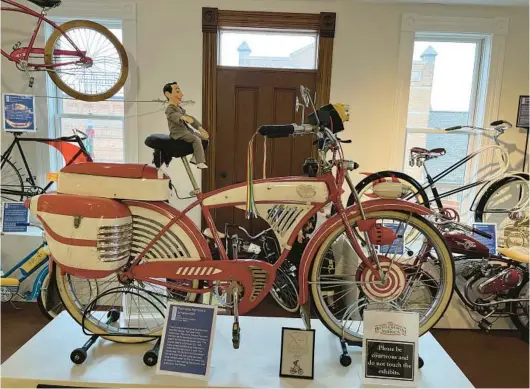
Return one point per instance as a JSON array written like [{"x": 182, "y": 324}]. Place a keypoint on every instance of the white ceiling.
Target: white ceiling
[{"x": 456, "y": 2}]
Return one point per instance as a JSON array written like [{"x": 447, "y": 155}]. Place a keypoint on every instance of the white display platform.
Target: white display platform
[{"x": 45, "y": 359}]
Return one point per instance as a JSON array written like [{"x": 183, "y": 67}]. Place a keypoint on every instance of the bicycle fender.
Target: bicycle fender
[
  {"x": 38, "y": 283},
  {"x": 491, "y": 186},
  {"x": 335, "y": 222}
]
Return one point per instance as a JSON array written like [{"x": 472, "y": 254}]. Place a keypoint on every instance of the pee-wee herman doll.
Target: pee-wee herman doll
[{"x": 183, "y": 126}]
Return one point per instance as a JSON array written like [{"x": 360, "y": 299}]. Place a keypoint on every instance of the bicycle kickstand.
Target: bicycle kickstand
[{"x": 236, "y": 330}]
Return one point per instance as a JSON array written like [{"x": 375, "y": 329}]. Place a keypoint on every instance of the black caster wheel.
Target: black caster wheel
[
  {"x": 113, "y": 315},
  {"x": 420, "y": 363},
  {"x": 78, "y": 356},
  {"x": 150, "y": 358},
  {"x": 345, "y": 360},
  {"x": 236, "y": 336}
]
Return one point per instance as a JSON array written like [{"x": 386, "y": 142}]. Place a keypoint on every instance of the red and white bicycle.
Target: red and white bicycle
[{"x": 112, "y": 223}]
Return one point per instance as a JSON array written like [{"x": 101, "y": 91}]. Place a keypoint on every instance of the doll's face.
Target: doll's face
[{"x": 176, "y": 94}]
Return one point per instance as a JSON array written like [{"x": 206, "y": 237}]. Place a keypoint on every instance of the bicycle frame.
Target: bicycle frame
[
  {"x": 26, "y": 274},
  {"x": 69, "y": 152},
  {"x": 22, "y": 54},
  {"x": 431, "y": 181}
]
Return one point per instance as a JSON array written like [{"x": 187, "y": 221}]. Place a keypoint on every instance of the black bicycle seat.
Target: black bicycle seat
[
  {"x": 171, "y": 147},
  {"x": 46, "y": 3},
  {"x": 438, "y": 152}
]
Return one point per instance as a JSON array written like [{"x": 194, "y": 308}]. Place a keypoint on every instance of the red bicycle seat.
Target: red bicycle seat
[{"x": 438, "y": 152}]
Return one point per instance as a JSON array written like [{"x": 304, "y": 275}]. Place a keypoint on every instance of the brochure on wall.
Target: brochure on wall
[
  {"x": 390, "y": 348},
  {"x": 15, "y": 217},
  {"x": 19, "y": 113},
  {"x": 491, "y": 229},
  {"x": 298, "y": 353},
  {"x": 187, "y": 340}
]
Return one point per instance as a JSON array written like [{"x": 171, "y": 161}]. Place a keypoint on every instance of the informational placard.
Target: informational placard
[
  {"x": 397, "y": 247},
  {"x": 187, "y": 340},
  {"x": 19, "y": 113},
  {"x": 297, "y": 358},
  {"x": 390, "y": 348},
  {"x": 14, "y": 217},
  {"x": 491, "y": 229},
  {"x": 523, "y": 115}
]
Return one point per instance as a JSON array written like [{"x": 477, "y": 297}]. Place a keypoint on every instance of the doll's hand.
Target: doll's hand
[
  {"x": 203, "y": 134},
  {"x": 187, "y": 118}
]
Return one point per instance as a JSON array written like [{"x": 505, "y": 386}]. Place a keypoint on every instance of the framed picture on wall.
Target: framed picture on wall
[{"x": 19, "y": 113}]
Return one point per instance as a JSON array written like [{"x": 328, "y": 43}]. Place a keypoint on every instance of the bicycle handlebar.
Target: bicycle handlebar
[{"x": 499, "y": 126}]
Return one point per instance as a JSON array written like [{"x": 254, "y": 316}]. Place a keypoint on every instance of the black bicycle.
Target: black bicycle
[
  {"x": 503, "y": 198},
  {"x": 19, "y": 183}
]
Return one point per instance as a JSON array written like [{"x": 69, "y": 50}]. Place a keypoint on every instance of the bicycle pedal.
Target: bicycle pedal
[
  {"x": 31, "y": 82},
  {"x": 17, "y": 45}
]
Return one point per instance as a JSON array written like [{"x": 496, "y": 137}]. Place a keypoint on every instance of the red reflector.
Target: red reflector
[{"x": 27, "y": 203}]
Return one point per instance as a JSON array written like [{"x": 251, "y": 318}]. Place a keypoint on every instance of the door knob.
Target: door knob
[{"x": 223, "y": 175}]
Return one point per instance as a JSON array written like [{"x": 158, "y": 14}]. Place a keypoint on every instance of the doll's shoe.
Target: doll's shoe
[
  {"x": 192, "y": 160},
  {"x": 202, "y": 166}
]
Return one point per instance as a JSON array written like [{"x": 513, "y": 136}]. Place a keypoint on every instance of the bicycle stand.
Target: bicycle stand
[
  {"x": 78, "y": 356},
  {"x": 151, "y": 356},
  {"x": 345, "y": 358}
]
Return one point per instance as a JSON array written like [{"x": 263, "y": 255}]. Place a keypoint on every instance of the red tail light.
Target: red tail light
[{"x": 27, "y": 203}]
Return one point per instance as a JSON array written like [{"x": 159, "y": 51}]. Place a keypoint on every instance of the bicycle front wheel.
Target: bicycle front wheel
[
  {"x": 505, "y": 204},
  {"x": 419, "y": 275},
  {"x": 12, "y": 183},
  {"x": 95, "y": 72}
]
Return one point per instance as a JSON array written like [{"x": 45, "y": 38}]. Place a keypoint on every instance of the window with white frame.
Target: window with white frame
[
  {"x": 444, "y": 92},
  {"x": 102, "y": 121}
]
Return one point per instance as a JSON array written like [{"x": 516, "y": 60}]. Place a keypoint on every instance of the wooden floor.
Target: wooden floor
[{"x": 493, "y": 360}]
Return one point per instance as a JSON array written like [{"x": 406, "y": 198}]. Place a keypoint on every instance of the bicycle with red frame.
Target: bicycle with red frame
[{"x": 83, "y": 58}]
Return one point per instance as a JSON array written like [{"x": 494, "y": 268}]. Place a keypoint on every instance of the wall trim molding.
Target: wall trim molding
[{"x": 495, "y": 31}]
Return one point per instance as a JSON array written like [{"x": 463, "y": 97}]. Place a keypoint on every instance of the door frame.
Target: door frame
[{"x": 213, "y": 19}]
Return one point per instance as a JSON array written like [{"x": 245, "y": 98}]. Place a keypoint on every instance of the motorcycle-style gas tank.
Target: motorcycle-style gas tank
[{"x": 463, "y": 244}]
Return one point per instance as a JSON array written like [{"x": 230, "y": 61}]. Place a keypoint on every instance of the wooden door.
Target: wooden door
[{"x": 247, "y": 99}]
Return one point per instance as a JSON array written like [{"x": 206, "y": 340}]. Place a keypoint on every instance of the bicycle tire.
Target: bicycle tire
[
  {"x": 479, "y": 211},
  {"x": 11, "y": 169},
  {"x": 63, "y": 31},
  {"x": 289, "y": 284},
  {"x": 325, "y": 315},
  {"x": 389, "y": 174},
  {"x": 41, "y": 300}
]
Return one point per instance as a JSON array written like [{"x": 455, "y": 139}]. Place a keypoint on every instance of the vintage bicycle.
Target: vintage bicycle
[
  {"x": 502, "y": 199},
  {"x": 111, "y": 223},
  {"x": 18, "y": 184},
  {"x": 84, "y": 59}
]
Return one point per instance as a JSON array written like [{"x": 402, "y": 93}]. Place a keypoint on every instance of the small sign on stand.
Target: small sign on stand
[
  {"x": 491, "y": 229},
  {"x": 15, "y": 217},
  {"x": 187, "y": 340},
  {"x": 19, "y": 113},
  {"x": 298, "y": 353},
  {"x": 390, "y": 348}
]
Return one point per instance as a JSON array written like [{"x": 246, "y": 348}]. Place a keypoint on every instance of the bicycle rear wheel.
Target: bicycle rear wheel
[
  {"x": 141, "y": 305},
  {"x": 12, "y": 183},
  {"x": 95, "y": 76},
  {"x": 285, "y": 288},
  {"x": 420, "y": 276}
]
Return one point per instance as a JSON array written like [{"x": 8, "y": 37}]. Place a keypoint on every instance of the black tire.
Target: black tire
[
  {"x": 389, "y": 174},
  {"x": 515, "y": 306},
  {"x": 78, "y": 356},
  {"x": 57, "y": 306},
  {"x": 479, "y": 211},
  {"x": 12, "y": 182}
]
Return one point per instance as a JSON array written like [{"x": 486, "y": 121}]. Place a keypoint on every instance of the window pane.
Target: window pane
[
  {"x": 441, "y": 84},
  {"x": 101, "y": 108},
  {"x": 105, "y": 137},
  {"x": 265, "y": 49}
]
